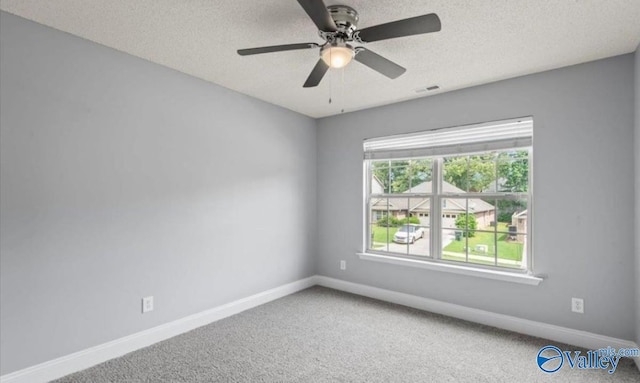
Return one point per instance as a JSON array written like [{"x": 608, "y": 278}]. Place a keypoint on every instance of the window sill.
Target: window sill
[{"x": 505, "y": 276}]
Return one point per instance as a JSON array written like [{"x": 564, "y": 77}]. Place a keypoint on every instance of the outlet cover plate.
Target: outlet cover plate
[
  {"x": 577, "y": 305},
  {"x": 147, "y": 304}
]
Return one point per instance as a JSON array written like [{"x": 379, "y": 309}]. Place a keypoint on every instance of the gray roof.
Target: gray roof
[
  {"x": 522, "y": 214},
  {"x": 421, "y": 204}
]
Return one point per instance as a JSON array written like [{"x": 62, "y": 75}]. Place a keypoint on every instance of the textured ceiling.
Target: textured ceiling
[{"x": 481, "y": 41}]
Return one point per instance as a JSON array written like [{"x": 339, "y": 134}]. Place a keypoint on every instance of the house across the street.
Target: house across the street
[{"x": 420, "y": 207}]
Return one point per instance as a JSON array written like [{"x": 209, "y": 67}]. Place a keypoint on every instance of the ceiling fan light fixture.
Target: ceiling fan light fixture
[
  {"x": 337, "y": 26},
  {"x": 337, "y": 55}
]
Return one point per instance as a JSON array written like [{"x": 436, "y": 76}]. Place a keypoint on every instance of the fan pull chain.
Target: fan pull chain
[
  {"x": 342, "y": 91},
  {"x": 330, "y": 78}
]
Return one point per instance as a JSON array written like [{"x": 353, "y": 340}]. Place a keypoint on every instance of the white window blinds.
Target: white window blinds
[{"x": 497, "y": 135}]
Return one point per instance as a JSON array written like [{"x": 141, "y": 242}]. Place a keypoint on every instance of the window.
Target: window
[{"x": 457, "y": 195}]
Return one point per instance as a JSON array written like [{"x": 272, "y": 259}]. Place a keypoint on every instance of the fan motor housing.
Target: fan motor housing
[{"x": 345, "y": 17}]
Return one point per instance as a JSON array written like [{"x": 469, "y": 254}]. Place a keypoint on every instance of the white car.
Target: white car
[{"x": 408, "y": 233}]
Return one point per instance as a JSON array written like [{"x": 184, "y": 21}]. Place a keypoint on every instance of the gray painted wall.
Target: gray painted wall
[
  {"x": 583, "y": 172},
  {"x": 122, "y": 179},
  {"x": 637, "y": 183}
]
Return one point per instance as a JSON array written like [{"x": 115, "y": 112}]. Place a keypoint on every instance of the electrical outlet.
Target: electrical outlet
[
  {"x": 147, "y": 304},
  {"x": 577, "y": 305},
  {"x": 343, "y": 265}
]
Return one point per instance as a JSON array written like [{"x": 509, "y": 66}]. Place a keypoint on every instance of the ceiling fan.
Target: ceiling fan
[{"x": 338, "y": 26}]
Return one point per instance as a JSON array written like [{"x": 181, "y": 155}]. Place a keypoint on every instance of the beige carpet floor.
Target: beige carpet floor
[{"x": 322, "y": 335}]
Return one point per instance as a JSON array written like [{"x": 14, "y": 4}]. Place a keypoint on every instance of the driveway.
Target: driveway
[{"x": 421, "y": 246}]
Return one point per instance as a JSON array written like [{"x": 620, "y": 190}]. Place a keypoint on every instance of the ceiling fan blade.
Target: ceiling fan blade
[
  {"x": 276, "y": 48},
  {"x": 406, "y": 27},
  {"x": 317, "y": 11},
  {"x": 379, "y": 63},
  {"x": 316, "y": 74}
]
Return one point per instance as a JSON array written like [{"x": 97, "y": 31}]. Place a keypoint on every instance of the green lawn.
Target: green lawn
[
  {"x": 382, "y": 236},
  {"x": 506, "y": 250}
]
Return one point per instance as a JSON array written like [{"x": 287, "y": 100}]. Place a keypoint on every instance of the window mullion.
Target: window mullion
[
  {"x": 367, "y": 240},
  {"x": 495, "y": 230},
  {"x": 435, "y": 233},
  {"x": 529, "y": 244}
]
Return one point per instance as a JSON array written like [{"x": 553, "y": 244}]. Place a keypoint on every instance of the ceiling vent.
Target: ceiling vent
[{"x": 427, "y": 89}]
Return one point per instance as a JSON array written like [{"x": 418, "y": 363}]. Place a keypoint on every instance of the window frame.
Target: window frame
[{"x": 436, "y": 197}]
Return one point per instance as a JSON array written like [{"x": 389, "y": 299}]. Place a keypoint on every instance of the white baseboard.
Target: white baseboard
[
  {"x": 523, "y": 326},
  {"x": 81, "y": 360}
]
